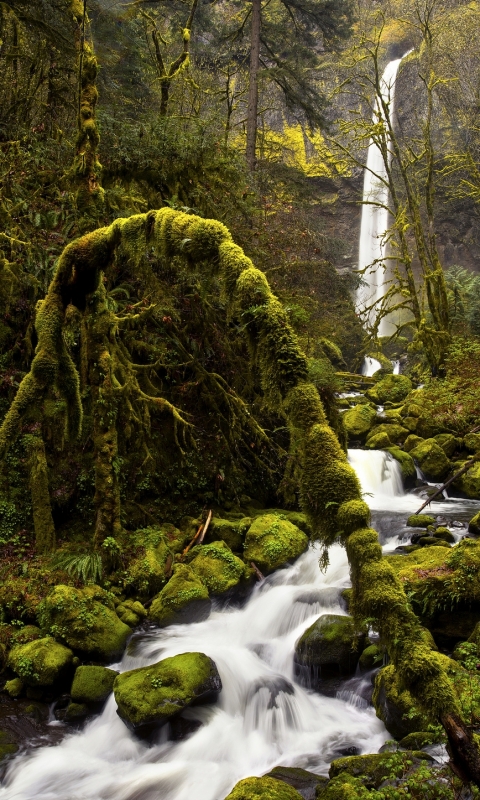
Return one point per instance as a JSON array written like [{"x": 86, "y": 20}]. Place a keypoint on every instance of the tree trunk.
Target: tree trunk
[
  {"x": 253, "y": 87},
  {"x": 42, "y": 511}
]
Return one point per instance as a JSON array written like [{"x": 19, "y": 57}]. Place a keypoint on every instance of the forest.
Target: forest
[{"x": 239, "y": 400}]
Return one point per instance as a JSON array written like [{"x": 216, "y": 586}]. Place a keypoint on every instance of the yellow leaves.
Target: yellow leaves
[{"x": 304, "y": 151}]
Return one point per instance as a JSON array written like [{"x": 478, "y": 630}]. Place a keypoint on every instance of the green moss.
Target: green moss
[
  {"x": 15, "y": 687},
  {"x": 393, "y": 388},
  {"x": 263, "y": 789},
  {"x": 216, "y": 566},
  {"x": 149, "y": 696},
  {"x": 359, "y": 420},
  {"x": 43, "y": 662},
  {"x": 431, "y": 458},
  {"x": 472, "y": 442},
  {"x": 396, "y": 707},
  {"x": 406, "y": 462},
  {"x": 412, "y": 441},
  {"x": 76, "y": 711},
  {"x": 449, "y": 443},
  {"x": 419, "y": 739},
  {"x": 232, "y": 532},
  {"x": 185, "y": 598},
  {"x": 371, "y": 657},
  {"x": 469, "y": 482},
  {"x": 474, "y": 524},
  {"x": 92, "y": 684},
  {"x": 149, "y": 571},
  {"x": 344, "y": 787},
  {"x": 7, "y": 745},
  {"x": 272, "y": 541},
  {"x": 378, "y": 441},
  {"x": 420, "y": 520},
  {"x": 372, "y": 769},
  {"x": 330, "y": 643},
  {"x": 352, "y": 515},
  {"x": 444, "y": 534},
  {"x": 396, "y": 433},
  {"x": 85, "y": 620}
]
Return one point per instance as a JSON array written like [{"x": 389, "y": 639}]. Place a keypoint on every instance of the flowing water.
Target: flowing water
[{"x": 263, "y": 717}]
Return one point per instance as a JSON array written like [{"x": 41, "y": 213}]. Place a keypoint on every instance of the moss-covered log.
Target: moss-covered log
[{"x": 330, "y": 491}]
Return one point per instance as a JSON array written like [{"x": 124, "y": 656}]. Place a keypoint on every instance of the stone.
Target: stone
[
  {"x": 43, "y": 662},
  {"x": 85, "y": 620},
  {"x": 393, "y": 388},
  {"x": 395, "y": 705},
  {"x": 448, "y": 442},
  {"x": 411, "y": 441},
  {"x": 419, "y": 739},
  {"x": 273, "y": 541},
  {"x": 15, "y": 687},
  {"x": 371, "y": 657},
  {"x": 431, "y": 459},
  {"x": 75, "y": 712},
  {"x": 371, "y": 769},
  {"x": 432, "y": 541},
  {"x": 131, "y": 612},
  {"x": 396, "y": 433},
  {"x": 407, "y": 464},
  {"x": 184, "y": 599},
  {"x": 358, "y": 420},
  {"x": 263, "y": 789},
  {"x": 420, "y": 520},
  {"x": 469, "y": 482},
  {"x": 327, "y": 652},
  {"x": 445, "y": 534},
  {"x": 472, "y": 442},
  {"x": 92, "y": 684},
  {"x": 149, "y": 696},
  {"x": 149, "y": 571},
  {"x": 378, "y": 441},
  {"x": 232, "y": 532},
  {"x": 217, "y": 567},
  {"x": 474, "y": 525},
  {"x": 306, "y": 783},
  {"x": 7, "y": 745}
]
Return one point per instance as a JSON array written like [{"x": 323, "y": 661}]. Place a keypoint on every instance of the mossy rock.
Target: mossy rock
[
  {"x": 232, "y": 532},
  {"x": 92, "y": 684},
  {"x": 305, "y": 782},
  {"x": 474, "y": 525},
  {"x": 217, "y": 567},
  {"x": 263, "y": 789},
  {"x": 344, "y": 787},
  {"x": 420, "y": 520},
  {"x": 395, "y": 433},
  {"x": 26, "y": 634},
  {"x": 472, "y": 442},
  {"x": 175, "y": 538},
  {"x": 85, "y": 620},
  {"x": 448, "y": 442},
  {"x": 445, "y": 535},
  {"x": 43, "y": 662},
  {"x": 378, "y": 441},
  {"x": 273, "y": 541},
  {"x": 419, "y": 739},
  {"x": 149, "y": 696},
  {"x": 151, "y": 568},
  {"x": 411, "y": 441},
  {"x": 131, "y": 612},
  {"x": 327, "y": 652},
  {"x": 407, "y": 464},
  {"x": 432, "y": 541},
  {"x": 15, "y": 687},
  {"x": 469, "y": 482},
  {"x": 75, "y": 712},
  {"x": 432, "y": 460},
  {"x": 371, "y": 769},
  {"x": 393, "y": 388},
  {"x": 395, "y": 705},
  {"x": 7, "y": 745},
  {"x": 371, "y": 657},
  {"x": 184, "y": 599},
  {"x": 359, "y": 420}
]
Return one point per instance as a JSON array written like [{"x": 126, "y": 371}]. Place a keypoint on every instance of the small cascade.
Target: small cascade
[
  {"x": 370, "y": 366},
  {"x": 379, "y": 474},
  {"x": 374, "y": 221}
]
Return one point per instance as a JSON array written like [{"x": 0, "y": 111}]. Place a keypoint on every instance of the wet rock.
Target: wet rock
[
  {"x": 327, "y": 652},
  {"x": 272, "y": 541},
  {"x": 43, "y": 662},
  {"x": 149, "y": 696},
  {"x": 358, "y": 420},
  {"x": 395, "y": 433},
  {"x": 444, "y": 534},
  {"x": 469, "y": 482},
  {"x": 231, "y": 531},
  {"x": 15, "y": 687},
  {"x": 407, "y": 465},
  {"x": 392, "y": 388},
  {"x": 431, "y": 541},
  {"x": 411, "y": 441},
  {"x": 131, "y": 612},
  {"x": 420, "y": 521},
  {"x": 149, "y": 571},
  {"x": 263, "y": 789},
  {"x": 184, "y": 599},
  {"x": 378, "y": 441},
  {"x": 85, "y": 620},
  {"x": 217, "y": 567},
  {"x": 306, "y": 783},
  {"x": 474, "y": 525},
  {"x": 448, "y": 442},
  {"x": 395, "y": 706},
  {"x": 420, "y": 739},
  {"x": 371, "y": 657},
  {"x": 431, "y": 459},
  {"x": 75, "y": 712},
  {"x": 373, "y": 769},
  {"x": 92, "y": 684},
  {"x": 7, "y": 745}
]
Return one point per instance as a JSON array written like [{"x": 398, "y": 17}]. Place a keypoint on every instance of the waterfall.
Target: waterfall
[
  {"x": 374, "y": 220},
  {"x": 379, "y": 474}
]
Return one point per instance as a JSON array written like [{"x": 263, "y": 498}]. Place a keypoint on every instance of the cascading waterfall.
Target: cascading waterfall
[{"x": 374, "y": 221}]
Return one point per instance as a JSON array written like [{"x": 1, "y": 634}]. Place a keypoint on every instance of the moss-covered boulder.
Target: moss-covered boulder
[
  {"x": 378, "y": 441},
  {"x": 43, "y": 662},
  {"x": 411, "y": 441},
  {"x": 8, "y": 746},
  {"x": 305, "y": 782},
  {"x": 92, "y": 684},
  {"x": 15, "y": 687},
  {"x": 444, "y": 534},
  {"x": 420, "y": 520},
  {"x": 393, "y": 388},
  {"x": 263, "y": 789},
  {"x": 371, "y": 657},
  {"x": 151, "y": 567},
  {"x": 85, "y": 620},
  {"x": 216, "y": 566},
  {"x": 344, "y": 787},
  {"x": 184, "y": 599},
  {"x": 327, "y": 652},
  {"x": 419, "y": 739},
  {"x": 230, "y": 531},
  {"x": 149, "y": 696},
  {"x": 374, "y": 768},
  {"x": 448, "y": 442},
  {"x": 472, "y": 442},
  {"x": 359, "y": 420},
  {"x": 431, "y": 459},
  {"x": 174, "y": 537},
  {"x": 407, "y": 464},
  {"x": 469, "y": 482},
  {"x": 396, "y": 433},
  {"x": 273, "y": 541},
  {"x": 474, "y": 525},
  {"x": 395, "y": 705},
  {"x": 131, "y": 612}
]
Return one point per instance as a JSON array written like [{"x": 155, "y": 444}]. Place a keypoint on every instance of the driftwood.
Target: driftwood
[
  {"x": 200, "y": 534},
  {"x": 260, "y": 576},
  {"x": 465, "y": 468},
  {"x": 205, "y": 528}
]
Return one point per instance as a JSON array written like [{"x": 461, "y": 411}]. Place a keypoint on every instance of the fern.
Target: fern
[{"x": 86, "y": 567}]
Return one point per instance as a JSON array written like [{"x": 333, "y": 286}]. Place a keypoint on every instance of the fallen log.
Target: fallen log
[{"x": 461, "y": 471}]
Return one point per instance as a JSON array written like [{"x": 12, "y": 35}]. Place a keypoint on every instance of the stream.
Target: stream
[{"x": 263, "y": 717}]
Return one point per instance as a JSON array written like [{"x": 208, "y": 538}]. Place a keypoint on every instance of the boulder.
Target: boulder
[
  {"x": 474, "y": 525},
  {"x": 92, "y": 684},
  {"x": 372, "y": 769},
  {"x": 358, "y": 420},
  {"x": 216, "y": 566},
  {"x": 407, "y": 464},
  {"x": 420, "y": 520},
  {"x": 444, "y": 534},
  {"x": 327, "y": 652},
  {"x": 308, "y": 784},
  {"x": 420, "y": 739},
  {"x": 231, "y": 531},
  {"x": 393, "y": 388},
  {"x": 371, "y": 657},
  {"x": 43, "y": 662},
  {"x": 378, "y": 441},
  {"x": 448, "y": 442},
  {"x": 149, "y": 696},
  {"x": 131, "y": 612},
  {"x": 184, "y": 599},
  {"x": 151, "y": 568},
  {"x": 263, "y": 789},
  {"x": 85, "y": 620},
  {"x": 395, "y": 706},
  {"x": 7, "y": 745},
  {"x": 469, "y": 482},
  {"x": 15, "y": 687},
  {"x": 273, "y": 541},
  {"x": 411, "y": 441},
  {"x": 432, "y": 460},
  {"x": 472, "y": 442},
  {"x": 395, "y": 433}
]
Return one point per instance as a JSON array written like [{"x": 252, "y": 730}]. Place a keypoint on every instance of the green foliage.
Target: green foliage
[
  {"x": 85, "y": 567},
  {"x": 455, "y": 398}
]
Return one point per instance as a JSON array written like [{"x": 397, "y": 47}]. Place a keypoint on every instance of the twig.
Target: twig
[
  {"x": 465, "y": 468},
  {"x": 205, "y": 528},
  {"x": 259, "y": 575}
]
